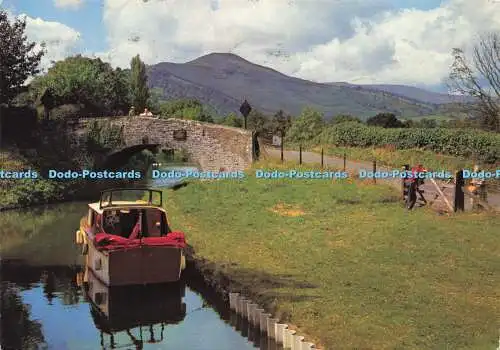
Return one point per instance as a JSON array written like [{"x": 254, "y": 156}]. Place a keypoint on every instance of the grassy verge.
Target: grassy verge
[{"x": 346, "y": 264}]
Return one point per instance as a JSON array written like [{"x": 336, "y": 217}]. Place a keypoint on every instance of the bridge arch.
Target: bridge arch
[
  {"x": 118, "y": 158},
  {"x": 211, "y": 146}
]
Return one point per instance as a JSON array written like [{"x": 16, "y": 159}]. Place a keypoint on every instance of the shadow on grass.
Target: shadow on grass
[{"x": 263, "y": 288}]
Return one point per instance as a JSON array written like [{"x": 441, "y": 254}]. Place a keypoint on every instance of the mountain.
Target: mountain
[
  {"x": 416, "y": 93},
  {"x": 224, "y": 80}
]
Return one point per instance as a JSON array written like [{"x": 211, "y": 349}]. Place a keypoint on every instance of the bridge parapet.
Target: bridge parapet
[{"x": 212, "y": 146}]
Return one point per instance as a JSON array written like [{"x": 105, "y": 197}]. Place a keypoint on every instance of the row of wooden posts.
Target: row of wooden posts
[
  {"x": 459, "y": 183},
  {"x": 323, "y": 160}
]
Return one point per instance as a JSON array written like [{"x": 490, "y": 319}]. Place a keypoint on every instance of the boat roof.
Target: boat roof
[{"x": 117, "y": 205}]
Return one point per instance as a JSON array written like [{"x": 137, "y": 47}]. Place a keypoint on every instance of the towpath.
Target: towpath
[{"x": 353, "y": 167}]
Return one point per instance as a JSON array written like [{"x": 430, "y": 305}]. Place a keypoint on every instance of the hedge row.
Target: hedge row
[{"x": 456, "y": 142}]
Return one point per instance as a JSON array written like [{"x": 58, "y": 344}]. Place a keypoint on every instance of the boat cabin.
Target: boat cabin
[{"x": 128, "y": 218}]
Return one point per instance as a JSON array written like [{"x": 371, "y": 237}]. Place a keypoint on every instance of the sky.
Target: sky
[{"x": 359, "y": 41}]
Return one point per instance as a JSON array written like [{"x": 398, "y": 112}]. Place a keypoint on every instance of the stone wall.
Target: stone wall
[{"x": 212, "y": 146}]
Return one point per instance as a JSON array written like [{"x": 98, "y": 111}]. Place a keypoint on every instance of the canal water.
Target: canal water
[{"x": 50, "y": 301}]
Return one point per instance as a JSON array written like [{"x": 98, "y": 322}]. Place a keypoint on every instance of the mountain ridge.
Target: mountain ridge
[{"x": 224, "y": 80}]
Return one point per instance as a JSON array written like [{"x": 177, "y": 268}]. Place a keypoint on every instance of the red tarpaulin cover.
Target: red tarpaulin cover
[{"x": 105, "y": 241}]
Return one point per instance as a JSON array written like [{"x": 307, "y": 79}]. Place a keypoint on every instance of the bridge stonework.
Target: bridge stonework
[{"x": 212, "y": 146}]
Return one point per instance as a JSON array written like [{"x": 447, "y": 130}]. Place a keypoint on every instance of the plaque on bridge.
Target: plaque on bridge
[
  {"x": 180, "y": 135},
  {"x": 276, "y": 140}
]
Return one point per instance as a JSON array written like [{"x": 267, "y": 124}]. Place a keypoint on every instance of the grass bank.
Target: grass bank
[{"x": 346, "y": 264}]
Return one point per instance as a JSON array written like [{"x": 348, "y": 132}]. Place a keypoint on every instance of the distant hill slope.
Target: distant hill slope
[
  {"x": 224, "y": 80},
  {"x": 415, "y": 93}
]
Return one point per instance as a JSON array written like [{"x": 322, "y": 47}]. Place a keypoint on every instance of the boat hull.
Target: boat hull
[
  {"x": 135, "y": 265},
  {"x": 140, "y": 265}
]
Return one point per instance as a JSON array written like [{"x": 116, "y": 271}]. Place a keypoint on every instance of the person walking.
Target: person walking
[
  {"x": 131, "y": 113},
  {"x": 479, "y": 189}
]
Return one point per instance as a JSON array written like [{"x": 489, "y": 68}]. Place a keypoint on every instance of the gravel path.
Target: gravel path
[{"x": 353, "y": 168}]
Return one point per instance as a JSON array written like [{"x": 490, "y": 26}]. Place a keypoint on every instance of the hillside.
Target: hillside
[
  {"x": 415, "y": 93},
  {"x": 224, "y": 80}
]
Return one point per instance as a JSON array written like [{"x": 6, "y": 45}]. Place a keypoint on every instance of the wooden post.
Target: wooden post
[
  {"x": 300, "y": 154},
  {"x": 459, "y": 203},
  {"x": 405, "y": 168},
  {"x": 281, "y": 145},
  {"x": 1, "y": 132},
  {"x": 345, "y": 158},
  {"x": 322, "y": 160},
  {"x": 374, "y": 170}
]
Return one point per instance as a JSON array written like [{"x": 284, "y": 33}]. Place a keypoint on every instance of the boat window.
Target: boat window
[
  {"x": 154, "y": 222},
  {"x": 112, "y": 222},
  {"x": 123, "y": 222},
  {"x": 120, "y": 222}
]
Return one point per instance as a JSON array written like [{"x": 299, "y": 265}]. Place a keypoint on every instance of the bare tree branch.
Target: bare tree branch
[{"x": 480, "y": 79}]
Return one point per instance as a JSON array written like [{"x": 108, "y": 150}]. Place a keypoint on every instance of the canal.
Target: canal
[{"x": 47, "y": 300}]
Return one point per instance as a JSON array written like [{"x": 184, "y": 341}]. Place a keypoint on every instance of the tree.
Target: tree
[
  {"x": 385, "y": 120},
  {"x": 280, "y": 122},
  {"x": 138, "y": 84},
  {"x": 187, "y": 108},
  {"x": 231, "y": 120},
  {"x": 154, "y": 101},
  {"x": 89, "y": 82},
  {"x": 18, "y": 59},
  {"x": 427, "y": 123},
  {"x": 307, "y": 126},
  {"x": 480, "y": 79},
  {"x": 177, "y": 108},
  {"x": 343, "y": 118},
  {"x": 257, "y": 121}
]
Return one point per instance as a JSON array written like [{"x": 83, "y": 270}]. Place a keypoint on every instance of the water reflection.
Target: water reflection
[
  {"x": 172, "y": 174},
  {"x": 17, "y": 328},
  {"x": 138, "y": 313},
  {"x": 47, "y": 302}
]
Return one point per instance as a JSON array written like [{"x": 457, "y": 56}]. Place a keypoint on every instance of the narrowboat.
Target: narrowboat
[
  {"x": 129, "y": 242},
  {"x": 139, "y": 313}
]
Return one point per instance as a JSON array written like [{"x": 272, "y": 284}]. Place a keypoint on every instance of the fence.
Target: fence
[
  {"x": 478, "y": 194},
  {"x": 265, "y": 324}
]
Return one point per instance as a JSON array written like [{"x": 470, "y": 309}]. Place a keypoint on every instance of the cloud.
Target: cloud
[
  {"x": 324, "y": 40},
  {"x": 69, "y": 4},
  {"x": 59, "y": 40}
]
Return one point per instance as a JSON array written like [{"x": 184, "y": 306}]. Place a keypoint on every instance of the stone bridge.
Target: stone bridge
[{"x": 212, "y": 146}]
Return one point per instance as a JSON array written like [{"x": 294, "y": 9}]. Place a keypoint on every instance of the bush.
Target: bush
[
  {"x": 66, "y": 111},
  {"x": 17, "y": 123},
  {"x": 306, "y": 127},
  {"x": 33, "y": 192},
  {"x": 102, "y": 136},
  {"x": 484, "y": 146}
]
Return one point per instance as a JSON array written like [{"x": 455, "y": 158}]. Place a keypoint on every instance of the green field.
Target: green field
[
  {"x": 346, "y": 264},
  {"x": 435, "y": 117}
]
